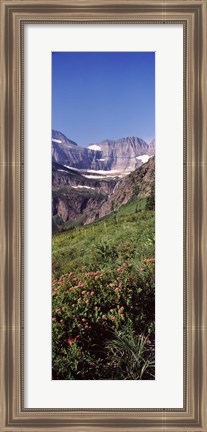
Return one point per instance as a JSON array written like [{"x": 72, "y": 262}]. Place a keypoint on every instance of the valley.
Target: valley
[
  {"x": 81, "y": 194},
  {"x": 103, "y": 260}
]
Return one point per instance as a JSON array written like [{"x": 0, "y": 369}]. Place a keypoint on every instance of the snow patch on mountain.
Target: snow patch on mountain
[
  {"x": 94, "y": 147},
  {"x": 82, "y": 187},
  {"x": 56, "y": 140},
  {"x": 72, "y": 168},
  {"x": 103, "y": 171},
  {"x": 143, "y": 158}
]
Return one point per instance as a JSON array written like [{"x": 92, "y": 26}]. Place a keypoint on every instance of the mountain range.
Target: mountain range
[
  {"x": 91, "y": 182},
  {"x": 122, "y": 154}
]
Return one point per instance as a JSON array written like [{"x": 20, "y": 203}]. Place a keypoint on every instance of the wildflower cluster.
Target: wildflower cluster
[{"x": 88, "y": 306}]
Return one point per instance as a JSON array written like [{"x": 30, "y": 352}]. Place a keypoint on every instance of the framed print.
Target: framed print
[
  {"x": 103, "y": 209},
  {"x": 93, "y": 197},
  {"x": 100, "y": 399}
]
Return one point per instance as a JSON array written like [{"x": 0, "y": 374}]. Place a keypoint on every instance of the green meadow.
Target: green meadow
[{"x": 103, "y": 297}]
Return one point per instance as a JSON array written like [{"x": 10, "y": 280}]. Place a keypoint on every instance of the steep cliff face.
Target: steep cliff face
[
  {"x": 123, "y": 154},
  {"x": 76, "y": 205},
  {"x": 75, "y": 198}
]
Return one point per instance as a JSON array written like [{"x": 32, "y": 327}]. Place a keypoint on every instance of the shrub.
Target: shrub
[{"x": 90, "y": 307}]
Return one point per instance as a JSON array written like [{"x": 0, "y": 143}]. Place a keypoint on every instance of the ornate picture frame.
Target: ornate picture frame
[{"x": 14, "y": 15}]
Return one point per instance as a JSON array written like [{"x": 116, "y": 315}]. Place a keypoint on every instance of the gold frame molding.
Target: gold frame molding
[{"x": 14, "y": 15}]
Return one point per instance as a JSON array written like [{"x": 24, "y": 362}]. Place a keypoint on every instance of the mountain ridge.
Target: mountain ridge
[{"x": 121, "y": 154}]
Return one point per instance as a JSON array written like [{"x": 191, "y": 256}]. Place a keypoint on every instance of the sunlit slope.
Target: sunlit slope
[{"x": 127, "y": 234}]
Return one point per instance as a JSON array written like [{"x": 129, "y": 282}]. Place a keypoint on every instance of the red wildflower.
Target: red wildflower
[{"x": 71, "y": 341}]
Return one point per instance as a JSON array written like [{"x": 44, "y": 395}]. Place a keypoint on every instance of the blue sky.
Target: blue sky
[{"x": 99, "y": 95}]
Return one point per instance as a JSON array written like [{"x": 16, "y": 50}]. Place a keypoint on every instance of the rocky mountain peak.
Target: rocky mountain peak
[{"x": 59, "y": 138}]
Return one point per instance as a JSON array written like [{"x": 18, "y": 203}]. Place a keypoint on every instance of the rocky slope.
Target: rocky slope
[{"x": 137, "y": 184}]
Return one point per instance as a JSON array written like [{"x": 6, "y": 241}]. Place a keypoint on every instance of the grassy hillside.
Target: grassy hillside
[
  {"x": 103, "y": 297},
  {"x": 116, "y": 237}
]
